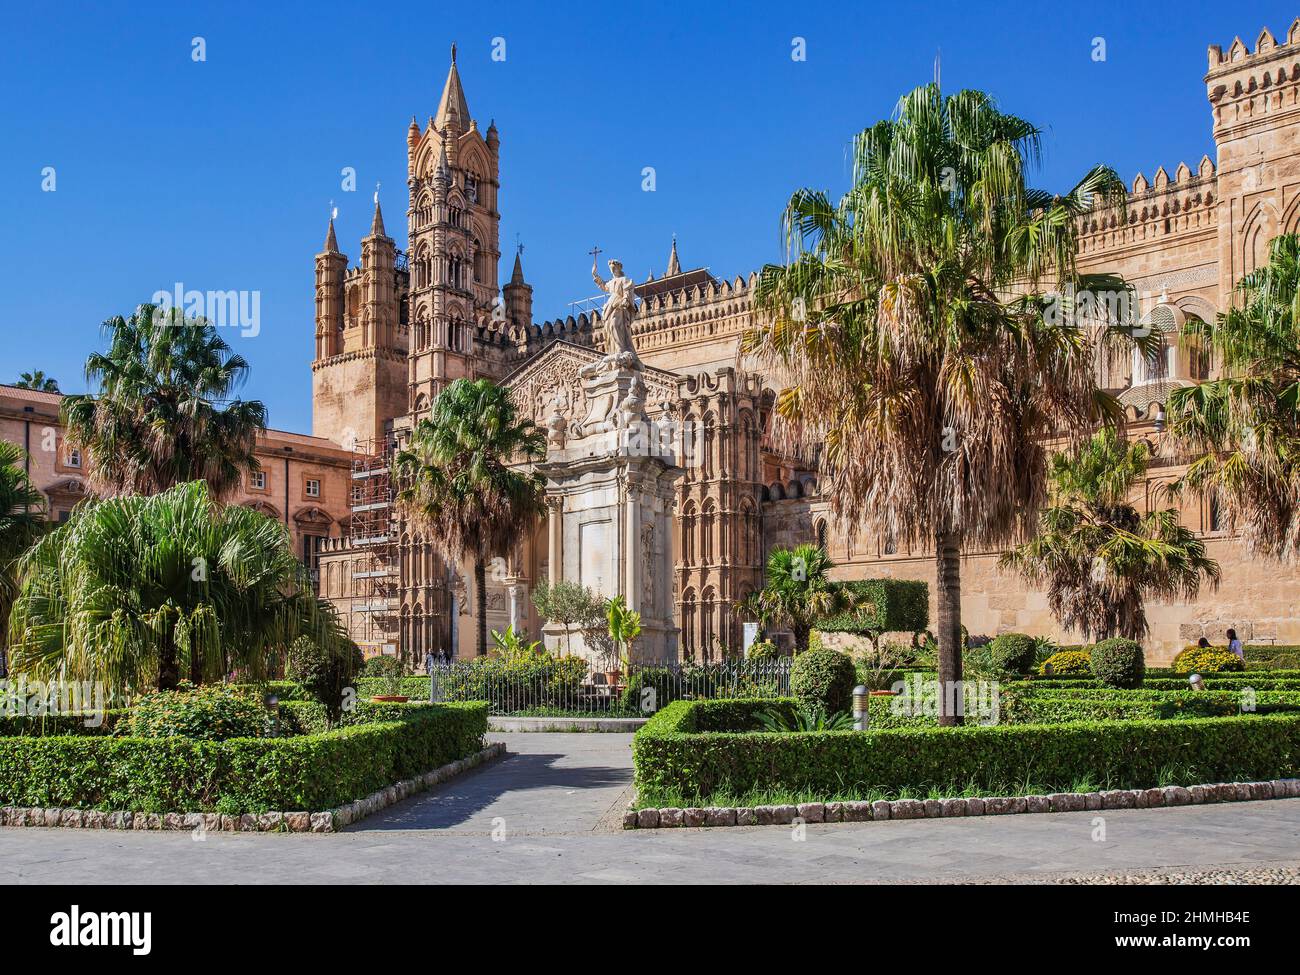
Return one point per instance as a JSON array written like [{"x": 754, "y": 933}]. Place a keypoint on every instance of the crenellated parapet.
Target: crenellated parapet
[
  {"x": 706, "y": 308},
  {"x": 1243, "y": 85},
  {"x": 1158, "y": 209}
]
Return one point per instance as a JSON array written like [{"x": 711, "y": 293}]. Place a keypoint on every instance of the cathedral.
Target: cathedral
[{"x": 392, "y": 331}]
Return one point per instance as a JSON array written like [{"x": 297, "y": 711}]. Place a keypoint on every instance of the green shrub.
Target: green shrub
[
  {"x": 313, "y": 772},
  {"x": 325, "y": 673},
  {"x": 662, "y": 680},
  {"x": 382, "y": 666},
  {"x": 1118, "y": 662},
  {"x": 1066, "y": 662},
  {"x": 46, "y": 725},
  {"x": 763, "y": 650},
  {"x": 1273, "y": 655},
  {"x": 882, "y": 606},
  {"x": 1012, "y": 653},
  {"x": 212, "y": 712},
  {"x": 1206, "y": 660},
  {"x": 823, "y": 680},
  {"x": 688, "y": 749}
]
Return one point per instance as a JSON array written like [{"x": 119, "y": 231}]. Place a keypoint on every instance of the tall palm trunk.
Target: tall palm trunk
[
  {"x": 480, "y": 597},
  {"x": 947, "y": 559}
]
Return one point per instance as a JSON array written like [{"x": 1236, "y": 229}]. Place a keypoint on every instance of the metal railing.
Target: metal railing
[{"x": 551, "y": 686}]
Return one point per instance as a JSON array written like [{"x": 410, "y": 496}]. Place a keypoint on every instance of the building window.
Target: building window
[
  {"x": 257, "y": 480},
  {"x": 313, "y": 488},
  {"x": 74, "y": 457}
]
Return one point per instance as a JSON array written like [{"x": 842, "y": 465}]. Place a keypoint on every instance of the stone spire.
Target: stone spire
[
  {"x": 453, "y": 108},
  {"x": 377, "y": 224},
  {"x": 517, "y": 275},
  {"x": 331, "y": 242},
  {"x": 674, "y": 265}
]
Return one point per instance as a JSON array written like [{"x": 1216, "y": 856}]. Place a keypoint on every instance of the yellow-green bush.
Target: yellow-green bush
[
  {"x": 1206, "y": 660},
  {"x": 1067, "y": 662}
]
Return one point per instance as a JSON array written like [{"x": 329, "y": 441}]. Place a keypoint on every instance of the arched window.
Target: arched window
[
  {"x": 708, "y": 516},
  {"x": 706, "y": 459},
  {"x": 708, "y": 623},
  {"x": 688, "y": 624},
  {"x": 688, "y": 533}
]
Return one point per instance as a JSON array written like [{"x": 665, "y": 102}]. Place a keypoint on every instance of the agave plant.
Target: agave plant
[{"x": 803, "y": 719}]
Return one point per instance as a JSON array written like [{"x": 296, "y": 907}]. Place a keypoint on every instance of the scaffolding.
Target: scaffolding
[{"x": 371, "y": 535}]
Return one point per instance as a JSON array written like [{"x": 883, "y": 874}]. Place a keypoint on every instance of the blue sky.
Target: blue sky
[{"x": 219, "y": 174}]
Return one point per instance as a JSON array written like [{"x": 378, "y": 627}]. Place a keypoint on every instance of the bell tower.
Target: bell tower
[
  {"x": 358, "y": 377},
  {"x": 453, "y": 173}
]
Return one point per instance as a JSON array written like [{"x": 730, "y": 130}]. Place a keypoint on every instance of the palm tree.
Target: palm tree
[
  {"x": 39, "y": 381},
  {"x": 457, "y": 485},
  {"x": 908, "y": 328},
  {"x": 133, "y": 589},
  {"x": 798, "y": 592},
  {"x": 1099, "y": 558},
  {"x": 163, "y": 414},
  {"x": 22, "y": 519},
  {"x": 1242, "y": 431}
]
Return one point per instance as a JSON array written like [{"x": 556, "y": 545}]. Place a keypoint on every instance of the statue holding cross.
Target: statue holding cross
[{"x": 615, "y": 319}]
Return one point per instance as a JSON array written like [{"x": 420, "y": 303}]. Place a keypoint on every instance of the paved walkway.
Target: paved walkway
[{"x": 547, "y": 814}]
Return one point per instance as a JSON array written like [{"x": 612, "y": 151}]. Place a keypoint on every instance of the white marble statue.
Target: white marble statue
[{"x": 616, "y": 321}]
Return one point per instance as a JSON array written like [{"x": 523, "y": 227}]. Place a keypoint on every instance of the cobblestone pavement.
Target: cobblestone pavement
[{"x": 548, "y": 813}]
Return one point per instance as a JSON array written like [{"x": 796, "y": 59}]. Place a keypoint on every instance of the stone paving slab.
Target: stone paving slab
[{"x": 553, "y": 804}]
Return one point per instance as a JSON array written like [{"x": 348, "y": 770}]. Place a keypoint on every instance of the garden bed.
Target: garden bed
[
  {"x": 316, "y": 772},
  {"x": 690, "y": 751}
]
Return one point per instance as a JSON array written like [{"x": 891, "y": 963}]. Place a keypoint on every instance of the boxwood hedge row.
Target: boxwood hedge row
[
  {"x": 685, "y": 750},
  {"x": 311, "y": 772}
]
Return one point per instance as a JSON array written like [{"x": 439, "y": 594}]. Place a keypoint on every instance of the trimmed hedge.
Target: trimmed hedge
[
  {"x": 313, "y": 772},
  {"x": 1207, "y": 660},
  {"x": 1118, "y": 662},
  {"x": 823, "y": 680},
  {"x": 45, "y": 725},
  {"x": 1012, "y": 653},
  {"x": 683, "y": 751},
  {"x": 884, "y": 606},
  {"x": 1215, "y": 682},
  {"x": 1065, "y": 706},
  {"x": 1065, "y": 663}
]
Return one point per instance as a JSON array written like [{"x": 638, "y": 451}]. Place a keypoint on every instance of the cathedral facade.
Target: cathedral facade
[{"x": 393, "y": 331}]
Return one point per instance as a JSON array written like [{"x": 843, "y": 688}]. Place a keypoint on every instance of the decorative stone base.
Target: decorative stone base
[
  {"x": 329, "y": 821},
  {"x": 864, "y": 812}
]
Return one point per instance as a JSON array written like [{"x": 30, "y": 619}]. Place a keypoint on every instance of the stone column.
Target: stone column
[
  {"x": 554, "y": 539},
  {"x": 631, "y": 547}
]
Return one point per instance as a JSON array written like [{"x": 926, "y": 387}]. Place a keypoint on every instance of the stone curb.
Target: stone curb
[
  {"x": 329, "y": 821},
  {"x": 882, "y": 809}
]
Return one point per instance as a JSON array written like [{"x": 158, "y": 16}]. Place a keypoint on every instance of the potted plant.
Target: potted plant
[
  {"x": 624, "y": 627},
  {"x": 390, "y": 687}
]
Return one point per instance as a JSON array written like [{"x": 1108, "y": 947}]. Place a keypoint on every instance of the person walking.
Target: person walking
[{"x": 1235, "y": 645}]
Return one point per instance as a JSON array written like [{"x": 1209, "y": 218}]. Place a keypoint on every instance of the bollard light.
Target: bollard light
[
  {"x": 860, "y": 696},
  {"x": 1197, "y": 682}
]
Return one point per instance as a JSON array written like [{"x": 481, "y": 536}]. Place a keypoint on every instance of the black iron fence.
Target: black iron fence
[{"x": 567, "y": 686}]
